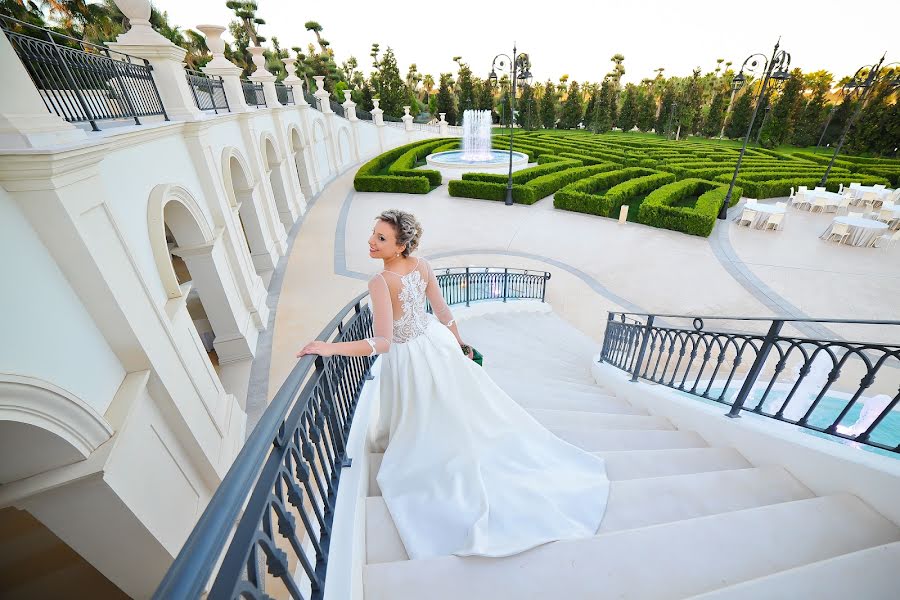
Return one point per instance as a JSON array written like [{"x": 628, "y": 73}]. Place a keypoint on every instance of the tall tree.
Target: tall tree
[
  {"x": 601, "y": 120},
  {"x": 878, "y": 130},
  {"x": 690, "y": 104},
  {"x": 317, "y": 30},
  {"x": 646, "y": 108},
  {"x": 393, "y": 89},
  {"x": 465, "y": 87},
  {"x": 785, "y": 112},
  {"x": 547, "y": 106},
  {"x": 628, "y": 114},
  {"x": 814, "y": 115},
  {"x": 668, "y": 98},
  {"x": 713, "y": 123},
  {"x": 740, "y": 116},
  {"x": 444, "y": 98},
  {"x": 246, "y": 13},
  {"x": 527, "y": 109},
  {"x": 572, "y": 109}
]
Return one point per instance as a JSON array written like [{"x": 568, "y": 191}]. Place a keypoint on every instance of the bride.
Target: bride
[{"x": 466, "y": 470}]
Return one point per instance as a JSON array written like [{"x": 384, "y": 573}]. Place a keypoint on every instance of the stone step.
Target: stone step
[
  {"x": 672, "y": 560},
  {"x": 547, "y": 326},
  {"x": 592, "y": 421},
  {"x": 636, "y": 503},
  {"x": 500, "y": 339},
  {"x": 596, "y": 403},
  {"x": 597, "y": 441},
  {"x": 519, "y": 384},
  {"x": 635, "y": 464},
  {"x": 871, "y": 574}
]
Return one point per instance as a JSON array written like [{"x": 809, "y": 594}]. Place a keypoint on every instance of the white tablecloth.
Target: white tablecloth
[
  {"x": 859, "y": 191},
  {"x": 863, "y": 232},
  {"x": 830, "y": 198}
]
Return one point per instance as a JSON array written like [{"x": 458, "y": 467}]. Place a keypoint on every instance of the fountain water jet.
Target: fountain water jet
[{"x": 476, "y": 153}]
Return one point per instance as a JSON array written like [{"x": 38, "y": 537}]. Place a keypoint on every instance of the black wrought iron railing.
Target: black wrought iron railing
[
  {"x": 849, "y": 390},
  {"x": 391, "y": 119},
  {"x": 284, "y": 93},
  {"x": 363, "y": 114},
  {"x": 337, "y": 108},
  {"x": 208, "y": 91},
  {"x": 274, "y": 510},
  {"x": 82, "y": 82},
  {"x": 464, "y": 285},
  {"x": 253, "y": 93},
  {"x": 311, "y": 100}
]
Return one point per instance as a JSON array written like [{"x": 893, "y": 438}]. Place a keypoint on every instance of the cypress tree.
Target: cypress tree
[
  {"x": 547, "y": 106},
  {"x": 572, "y": 110},
  {"x": 445, "y": 101},
  {"x": 740, "y": 116}
]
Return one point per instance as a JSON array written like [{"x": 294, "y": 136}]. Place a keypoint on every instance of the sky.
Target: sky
[{"x": 577, "y": 37}]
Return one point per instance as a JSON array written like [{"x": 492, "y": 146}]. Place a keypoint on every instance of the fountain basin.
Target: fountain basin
[{"x": 452, "y": 165}]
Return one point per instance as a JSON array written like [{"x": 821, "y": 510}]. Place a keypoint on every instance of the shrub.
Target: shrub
[
  {"x": 395, "y": 167},
  {"x": 776, "y": 188},
  {"x": 484, "y": 190},
  {"x": 392, "y": 183},
  {"x": 524, "y": 175},
  {"x": 633, "y": 188},
  {"x": 657, "y": 209},
  {"x": 547, "y": 184},
  {"x": 586, "y": 195}
]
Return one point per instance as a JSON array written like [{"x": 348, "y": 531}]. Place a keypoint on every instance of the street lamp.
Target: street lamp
[
  {"x": 824, "y": 129},
  {"x": 777, "y": 68},
  {"x": 860, "y": 86},
  {"x": 519, "y": 66}
]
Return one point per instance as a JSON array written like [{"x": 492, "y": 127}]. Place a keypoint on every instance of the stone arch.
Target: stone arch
[
  {"x": 298, "y": 151},
  {"x": 239, "y": 188},
  {"x": 345, "y": 147},
  {"x": 320, "y": 149},
  {"x": 44, "y": 427},
  {"x": 272, "y": 161},
  {"x": 187, "y": 223}
]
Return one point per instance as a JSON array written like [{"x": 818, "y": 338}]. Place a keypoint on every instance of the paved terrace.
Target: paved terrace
[{"x": 596, "y": 264}]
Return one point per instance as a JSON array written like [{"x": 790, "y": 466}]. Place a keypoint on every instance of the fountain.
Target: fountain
[{"x": 476, "y": 154}]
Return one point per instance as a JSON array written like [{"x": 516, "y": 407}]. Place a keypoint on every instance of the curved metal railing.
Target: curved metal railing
[
  {"x": 83, "y": 82},
  {"x": 208, "y": 91},
  {"x": 849, "y": 390},
  {"x": 273, "y": 511}
]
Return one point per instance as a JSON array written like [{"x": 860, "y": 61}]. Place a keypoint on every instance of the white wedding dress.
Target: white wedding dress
[{"x": 466, "y": 470}]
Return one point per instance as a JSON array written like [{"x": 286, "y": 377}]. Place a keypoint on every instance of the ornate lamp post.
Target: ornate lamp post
[
  {"x": 519, "y": 66},
  {"x": 777, "y": 68},
  {"x": 863, "y": 80}
]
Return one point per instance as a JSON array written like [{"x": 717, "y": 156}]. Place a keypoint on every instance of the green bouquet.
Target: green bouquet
[{"x": 476, "y": 355}]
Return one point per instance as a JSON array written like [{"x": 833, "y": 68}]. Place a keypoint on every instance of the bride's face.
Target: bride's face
[{"x": 383, "y": 241}]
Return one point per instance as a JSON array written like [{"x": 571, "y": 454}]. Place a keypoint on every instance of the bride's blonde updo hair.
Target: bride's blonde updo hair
[{"x": 406, "y": 226}]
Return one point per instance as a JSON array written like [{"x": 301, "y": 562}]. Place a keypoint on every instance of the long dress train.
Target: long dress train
[{"x": 466, "y": 470}]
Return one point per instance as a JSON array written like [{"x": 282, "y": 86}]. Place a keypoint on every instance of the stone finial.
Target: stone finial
[
  {"x": 347, "y": 94},
  {"x": 140, "y": 32},
  {"x": 375, "y": 102},
  {"x": 406, "y": 111},
  {"x": 259, "y": 61},
  {"x": 216, "y": 46}
]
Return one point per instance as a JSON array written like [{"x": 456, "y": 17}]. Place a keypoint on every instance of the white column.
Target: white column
[
  {"x": 166, "y": 58},
  {"x": 24, "y": 120},
  {"x": 350, "y": 112},
  {"x": 407, "y": 119},
  {"x": 235, "y": 332},
  {"x": 224, "y": 68},
  {"x": 322, "y": 95},
  {"x": 378, "y": 120},
  {"x": 262, "y": 75}
]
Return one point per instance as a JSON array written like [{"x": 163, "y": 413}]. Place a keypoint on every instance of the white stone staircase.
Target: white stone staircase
[{"x": 683, "y": 520}]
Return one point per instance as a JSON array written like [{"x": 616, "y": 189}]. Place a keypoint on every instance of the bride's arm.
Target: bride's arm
[
  {"x": 380, "y": 343},
  {"x": 438, "y": 304}
]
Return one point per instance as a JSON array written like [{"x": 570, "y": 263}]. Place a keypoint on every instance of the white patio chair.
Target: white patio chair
[
  {"x": 886, "y": 214},
  {"x": 819, "y": 189},
  {"x": 774, "y": 221},
  {"x": 800, "y": 201},
  {"x": 843, "y": 203},
  {"x": 840, "y": 231},
  {"x": 854, "y": 185},
  {"x": 888, "y": 239},
  {"x": 840, "y": 188},
  {"x": 818, "y": 203},
  {"x": 802, "y": 189},
  {"x": 869, "y": 198},
  {"x": 791, "y": 197},
  {"x": 879, "y": 186},
  {"x": 747, "y": 216}
]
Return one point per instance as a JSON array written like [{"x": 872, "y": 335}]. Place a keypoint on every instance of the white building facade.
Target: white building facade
[{"x": 135, "y": 263}]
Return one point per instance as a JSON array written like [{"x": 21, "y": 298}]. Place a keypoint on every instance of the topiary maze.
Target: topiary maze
[{"x": 672, "y": 185}]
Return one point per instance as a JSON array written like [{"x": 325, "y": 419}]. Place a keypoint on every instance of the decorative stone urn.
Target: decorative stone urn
[{"x": 259, "y": 61}]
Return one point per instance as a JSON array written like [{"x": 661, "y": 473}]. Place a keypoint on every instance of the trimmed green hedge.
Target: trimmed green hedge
[
  {"x": 524, "y": 175},
  {"x": 485, "y": 190},
  {"x": 547, "y": 184},
  {"x": 376, "y": 175},
  {"x": 657, "y": 210},
  {"x": 777, "y": 188},
  {"x": 586, "y": 195},
  {"x": 405, "y": 164},
  {"x": 634, "y": 188}
]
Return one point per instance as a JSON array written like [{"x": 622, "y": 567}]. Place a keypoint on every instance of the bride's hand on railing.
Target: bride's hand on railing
[{"x": 316, "y": 347}]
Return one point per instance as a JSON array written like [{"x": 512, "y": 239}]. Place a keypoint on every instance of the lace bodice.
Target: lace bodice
[
  {"x": 410, "y": 292},
  {"x": 414, "y": 319}
]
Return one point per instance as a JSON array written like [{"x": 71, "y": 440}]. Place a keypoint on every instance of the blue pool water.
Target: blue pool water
[{"x": 887, "y": 432}]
